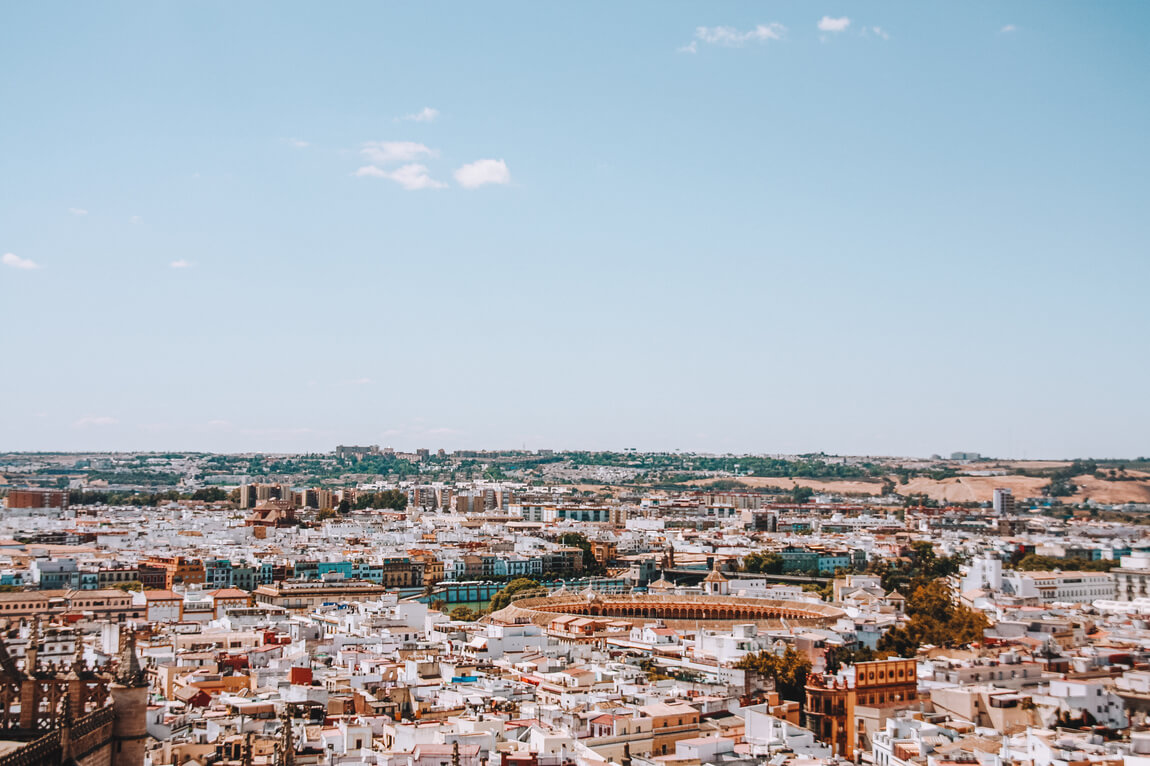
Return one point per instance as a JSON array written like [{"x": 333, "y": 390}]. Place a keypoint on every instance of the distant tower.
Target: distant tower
[
  {"x": 714, "y": 584},
  {"x": 1003, "y": 502},
  {"x": 130, "y": 708}
]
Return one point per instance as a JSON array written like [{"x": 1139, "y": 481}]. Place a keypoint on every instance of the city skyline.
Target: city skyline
[{"x": 758, "y": 228}]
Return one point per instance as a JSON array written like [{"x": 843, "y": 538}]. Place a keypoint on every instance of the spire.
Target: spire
[
  {"x": 130, "y": 674},
  {"x": 78, "y": 666},
  {"x": 31, "y": 663},
  {"x": 287, "y": 743}
]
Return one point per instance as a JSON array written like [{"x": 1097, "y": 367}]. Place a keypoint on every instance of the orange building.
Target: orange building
[
  {"x": 178, "y": 570},
  {"x": 670, "y": 722},
  {"x": 38, "y": 498},
  {"x": 832, "y": 702}
]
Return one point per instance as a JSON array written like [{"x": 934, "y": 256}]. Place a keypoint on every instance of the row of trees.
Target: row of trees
[
  {"x": 395, "y": 499},
  {"x": 1034, "y": 563},
  {"x": 100, "y": 497}
]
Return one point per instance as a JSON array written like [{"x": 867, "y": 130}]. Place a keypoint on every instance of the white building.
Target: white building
[
  {"x": 768, "y": 735},
  {"x": 1132, "y": 578},
  {"x": 1049, "y": 587},
  {"x": 1078, "y": 697}
]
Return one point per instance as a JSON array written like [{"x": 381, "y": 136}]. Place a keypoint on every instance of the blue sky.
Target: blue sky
[{"x": 896, "y": 228}]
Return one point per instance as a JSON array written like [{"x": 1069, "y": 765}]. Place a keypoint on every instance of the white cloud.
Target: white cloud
[
  {"x": 735, "y": 38},
  {"x": 411, "y": 177},
  {"x": 389, "y": 152},
  {"x": 95, "y": 420},
  {"x": 77, "y": 211},
  {"x": 135, "y": 219},
  {"x": 180, "y": 264},
  {"x": 426, "y": 114},
  {"x": 298, "y": 143},
  {"x": 359, "y": 381},
  {"x": 481, "y": 172},
  {"x": 878, "y": 32},
  {"x": 827, "y": 24},
  {"x": 1007, "y": 29},
  {"x": 16, "y": 262},
  {"x": 691, "y": 47}
]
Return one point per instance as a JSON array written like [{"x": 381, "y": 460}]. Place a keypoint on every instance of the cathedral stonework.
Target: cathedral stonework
[{"x": 67, "y": 714}]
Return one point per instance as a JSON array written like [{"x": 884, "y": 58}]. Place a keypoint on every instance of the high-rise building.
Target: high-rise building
[
  {"x": 38, "y": 498},
  {"x": 1003, "y": 501}
]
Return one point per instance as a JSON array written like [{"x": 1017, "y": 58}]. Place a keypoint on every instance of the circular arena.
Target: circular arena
[{"x": 672, "y": 610}]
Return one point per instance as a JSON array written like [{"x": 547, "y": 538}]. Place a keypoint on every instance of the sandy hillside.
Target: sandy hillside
[
  {"x": 968, "y": 489},
  {"x": 1112, "y": 491},
  {"x": 972, "y": 489}
]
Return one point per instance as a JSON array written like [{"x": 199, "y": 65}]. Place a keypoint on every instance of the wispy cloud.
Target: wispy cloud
[
  {"x": 691, "y": 47},
  {"x": 426, "y": 114},
  {"x": 180, "y": 264},
  {"x": 827, "y": 24},
  {"x": 135, "y": 219},
  {"x": 16, "y": 262},
  {"x": 876, "y": 31},
  {"x": 412, "y": 176},
  {"x": 483, "y": 172},
  {"x": 77, "y": 211},
  {"x": 298, "y": 143},
  {"x": 391, "y": 152},
  {"x": 359, "y": 381},
  {"x": 89, "y": 421},
  {"x": 731, "y": 37},
  {"x": 1007, "y": 29}
]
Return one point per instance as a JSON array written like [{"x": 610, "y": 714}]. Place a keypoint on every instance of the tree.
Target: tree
[
  {"x": 344, "y": 506},
  {"x": 802, "y": 494},
  {"x": 789, "y": 671},
  {"x": 764, "y": 563},
  {"x": 579, "y": 540},
  {"x": 210, "y": 494},
  {"x": 129, "y": 586},
  {"x": 464, "y": 614},
  {"x": 504, "y": 596},
  {"x": 326, "y": 514},
  {"x": 935, "y": 619},
  {"x": 917, "y": 566},
  {"x": 395, "y": 499}
]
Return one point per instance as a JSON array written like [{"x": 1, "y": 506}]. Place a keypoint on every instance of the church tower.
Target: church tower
[
  {"x": 714, "y": 584},
  {"x": 130, "y": 707}
]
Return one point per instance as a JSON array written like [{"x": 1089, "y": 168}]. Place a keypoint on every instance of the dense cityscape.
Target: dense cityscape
[
  {"x": 545, "y": 608},
  {"x": 520, "y": 383}
]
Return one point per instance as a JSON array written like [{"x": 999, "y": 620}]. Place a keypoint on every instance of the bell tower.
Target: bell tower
[{"x": 130, "y": 707}]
